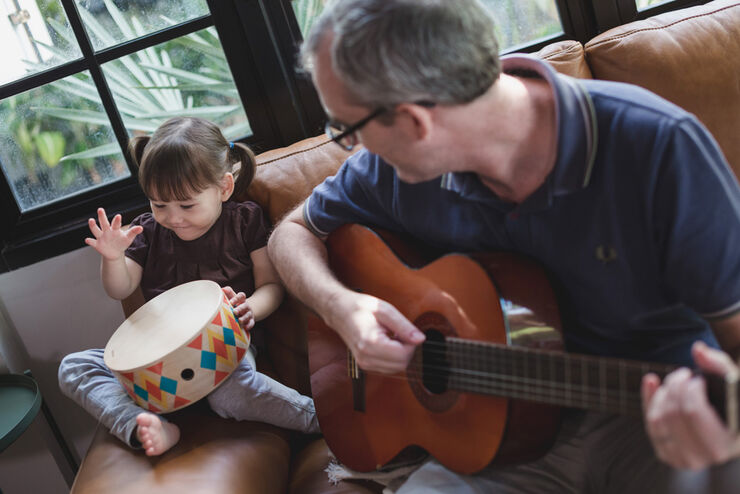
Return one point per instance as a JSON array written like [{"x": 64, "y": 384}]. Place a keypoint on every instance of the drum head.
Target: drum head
[{"x": 162, "y": 325}]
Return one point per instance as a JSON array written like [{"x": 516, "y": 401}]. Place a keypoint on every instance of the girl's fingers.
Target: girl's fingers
[
  {"x": 116, "y": 224},
  {"x": 134, "y": 231},
  {"x": 103, "y": 219},
  {"x": 238, "y": 299},
  {"x": 91, "y": 242},
  {"x": 247, "y": 321},
  {"x": 94, "y": 228}
]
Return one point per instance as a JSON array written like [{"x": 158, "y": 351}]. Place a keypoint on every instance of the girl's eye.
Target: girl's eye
[
  {"x": 158, "y": 206},
  {"x": 186, "y": 206}
]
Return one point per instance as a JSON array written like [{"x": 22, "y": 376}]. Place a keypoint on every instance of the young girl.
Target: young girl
[{"x": 192, "y": 233}]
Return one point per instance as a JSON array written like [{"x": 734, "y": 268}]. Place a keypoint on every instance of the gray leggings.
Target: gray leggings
[
  {"x": 245, "y": 395},
  {"x": 594, "y": 453}
]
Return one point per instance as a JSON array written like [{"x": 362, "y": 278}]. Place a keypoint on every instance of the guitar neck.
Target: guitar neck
[{"x": 570, "y": 380}]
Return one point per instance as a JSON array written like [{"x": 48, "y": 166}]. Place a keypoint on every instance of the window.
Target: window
[
  {"x": 83, "y": 77},
  {"x": 80, "y": 77},
  {"x": 518, "y": 22}
]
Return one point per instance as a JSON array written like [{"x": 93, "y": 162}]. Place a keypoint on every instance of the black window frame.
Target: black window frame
[{"x": 260, "y": 39}]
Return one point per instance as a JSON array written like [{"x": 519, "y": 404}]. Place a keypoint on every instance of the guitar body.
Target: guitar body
[{"x": 368, "y": 419}]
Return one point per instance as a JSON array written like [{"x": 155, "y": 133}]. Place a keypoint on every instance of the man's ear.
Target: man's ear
[
  {"x": 227, "y": 186},
  {"x": 419, "y": 117}
]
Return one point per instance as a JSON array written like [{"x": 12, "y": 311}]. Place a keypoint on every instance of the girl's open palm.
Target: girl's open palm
[{"x": 110, "y": 240}]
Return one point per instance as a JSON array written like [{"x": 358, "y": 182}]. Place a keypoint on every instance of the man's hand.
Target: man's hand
[
  {"x": 685, "y": 430},
  {"x": 379, "y": 336},
  {"x": 110, "y": 240},
  {"x": 241, "y": 308}
]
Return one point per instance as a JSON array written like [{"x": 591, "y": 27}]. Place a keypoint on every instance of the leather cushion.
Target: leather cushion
[
  {"x": 286, "y": 176},
  {"x": 690, "y": 57},
  {"x": 213, "y": 455},
  {"x": 567, "y": 57}
]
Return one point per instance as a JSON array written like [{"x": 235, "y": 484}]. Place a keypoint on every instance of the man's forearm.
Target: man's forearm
[{"x": 301, "y": 261}]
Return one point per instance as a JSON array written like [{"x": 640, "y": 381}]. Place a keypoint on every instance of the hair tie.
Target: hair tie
[{"x": 231, "y": 145}]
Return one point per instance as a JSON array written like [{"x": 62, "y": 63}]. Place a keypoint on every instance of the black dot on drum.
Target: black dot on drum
[{"x": 187, "y": 374}]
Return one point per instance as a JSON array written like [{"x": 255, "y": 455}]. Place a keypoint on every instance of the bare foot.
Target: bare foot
[{"x": 155, "y": 435}]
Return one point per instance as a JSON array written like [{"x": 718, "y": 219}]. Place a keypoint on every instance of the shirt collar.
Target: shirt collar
[{"x": 576, "y": 139}]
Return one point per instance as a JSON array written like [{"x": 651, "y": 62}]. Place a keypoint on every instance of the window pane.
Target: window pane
[
  {"x": 306, "y": 11},
  {"x": 185, "y": 76},
  {"x": 110, "y": 22},
  {"x": 518, "y": 22},
  {"x": 521, "y": 22},
  {"x": 643, "y": 4},
  {"x": 34, "y": 37},
  {"x": 55, "y": 141}
]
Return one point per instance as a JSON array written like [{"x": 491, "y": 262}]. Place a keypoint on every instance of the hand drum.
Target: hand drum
[{"x": 178, "y": 347}]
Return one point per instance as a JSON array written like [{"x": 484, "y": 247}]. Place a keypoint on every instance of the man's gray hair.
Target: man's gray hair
[{"x": 393, "y": 51}]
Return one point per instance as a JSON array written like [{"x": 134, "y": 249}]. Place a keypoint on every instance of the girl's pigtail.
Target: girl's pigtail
[
  {"x": 248, "y": 165},
  {"x": 136, "y": 148}
]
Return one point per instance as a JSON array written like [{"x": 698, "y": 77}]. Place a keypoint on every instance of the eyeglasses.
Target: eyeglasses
[{"x": 346, "y": 135}]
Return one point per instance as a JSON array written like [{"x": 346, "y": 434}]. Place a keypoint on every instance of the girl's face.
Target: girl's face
[{"x": 192, "y": 218}]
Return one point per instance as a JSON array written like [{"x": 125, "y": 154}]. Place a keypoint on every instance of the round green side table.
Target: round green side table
[{"x": 20, "y": 401}]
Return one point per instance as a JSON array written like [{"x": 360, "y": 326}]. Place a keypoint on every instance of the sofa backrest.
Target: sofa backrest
[{"x": 690, "y": 56}]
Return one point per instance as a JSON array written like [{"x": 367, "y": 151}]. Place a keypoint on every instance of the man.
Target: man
[{"x": 606, "y": 185}]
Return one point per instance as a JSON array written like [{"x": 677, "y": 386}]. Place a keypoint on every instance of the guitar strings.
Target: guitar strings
[
  {"x": 585, "y": 394},
  {"x": 586, "y": 397}
]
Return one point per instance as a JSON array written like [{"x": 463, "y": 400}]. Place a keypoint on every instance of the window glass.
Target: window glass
[
  {"x": 34, "y": 35},
  {"x": 186, "y": 76},
  {"x": 110, "y": 22},
  {"x": 55, "y": 141},
  {"x": 306, "y": 11},
  {"x": 518, "y": 22},
  {"x": 643, "y": 4}
]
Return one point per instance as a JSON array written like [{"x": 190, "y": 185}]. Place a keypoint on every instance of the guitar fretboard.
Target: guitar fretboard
[{"x": 578, "y": 381}]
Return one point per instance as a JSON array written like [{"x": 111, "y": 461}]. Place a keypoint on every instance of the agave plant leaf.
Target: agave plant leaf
[
  {"x": 96, "y": 152},
  {"x": 119, "y": 19},
  {"x": 203, "y": 112},
  {"x": 225, "y": 88},
  {"x": 96, "y": 118},
  {"x": 196, "y": 42},
  {"x": 94, "y": 27},
  {"x": 182, "y": 74}
]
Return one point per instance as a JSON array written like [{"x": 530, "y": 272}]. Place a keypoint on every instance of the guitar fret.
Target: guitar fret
[
  {"x": 568, "y": 389},
  {"x": 602, "y": 385},
  {"x": 584, "y": 383},
  {"x": 622, "y": 388}
]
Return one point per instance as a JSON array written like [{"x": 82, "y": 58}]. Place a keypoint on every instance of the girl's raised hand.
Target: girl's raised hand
[{"x": 110, "y": 240}]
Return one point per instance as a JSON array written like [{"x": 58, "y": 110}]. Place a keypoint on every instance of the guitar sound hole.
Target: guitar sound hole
[
  {"x": 435, "y": 368},
  {"x": 187, "y": 374}
]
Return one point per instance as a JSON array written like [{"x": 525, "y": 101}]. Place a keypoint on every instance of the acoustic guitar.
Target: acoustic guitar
[{"x": 491, "y": 380}]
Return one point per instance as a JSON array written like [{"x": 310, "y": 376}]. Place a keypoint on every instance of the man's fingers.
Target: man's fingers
[
  {"x": 650, "y": 384},
  {"x": 401, "y": 328},
  {"x": 711, "y": 360}
]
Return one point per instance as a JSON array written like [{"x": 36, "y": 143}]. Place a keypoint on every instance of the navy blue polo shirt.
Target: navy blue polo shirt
[{"x": 638, "y": 222}]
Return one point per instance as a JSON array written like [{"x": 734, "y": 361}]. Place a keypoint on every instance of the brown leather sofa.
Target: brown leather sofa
[{"x": 691, "y": 57}]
